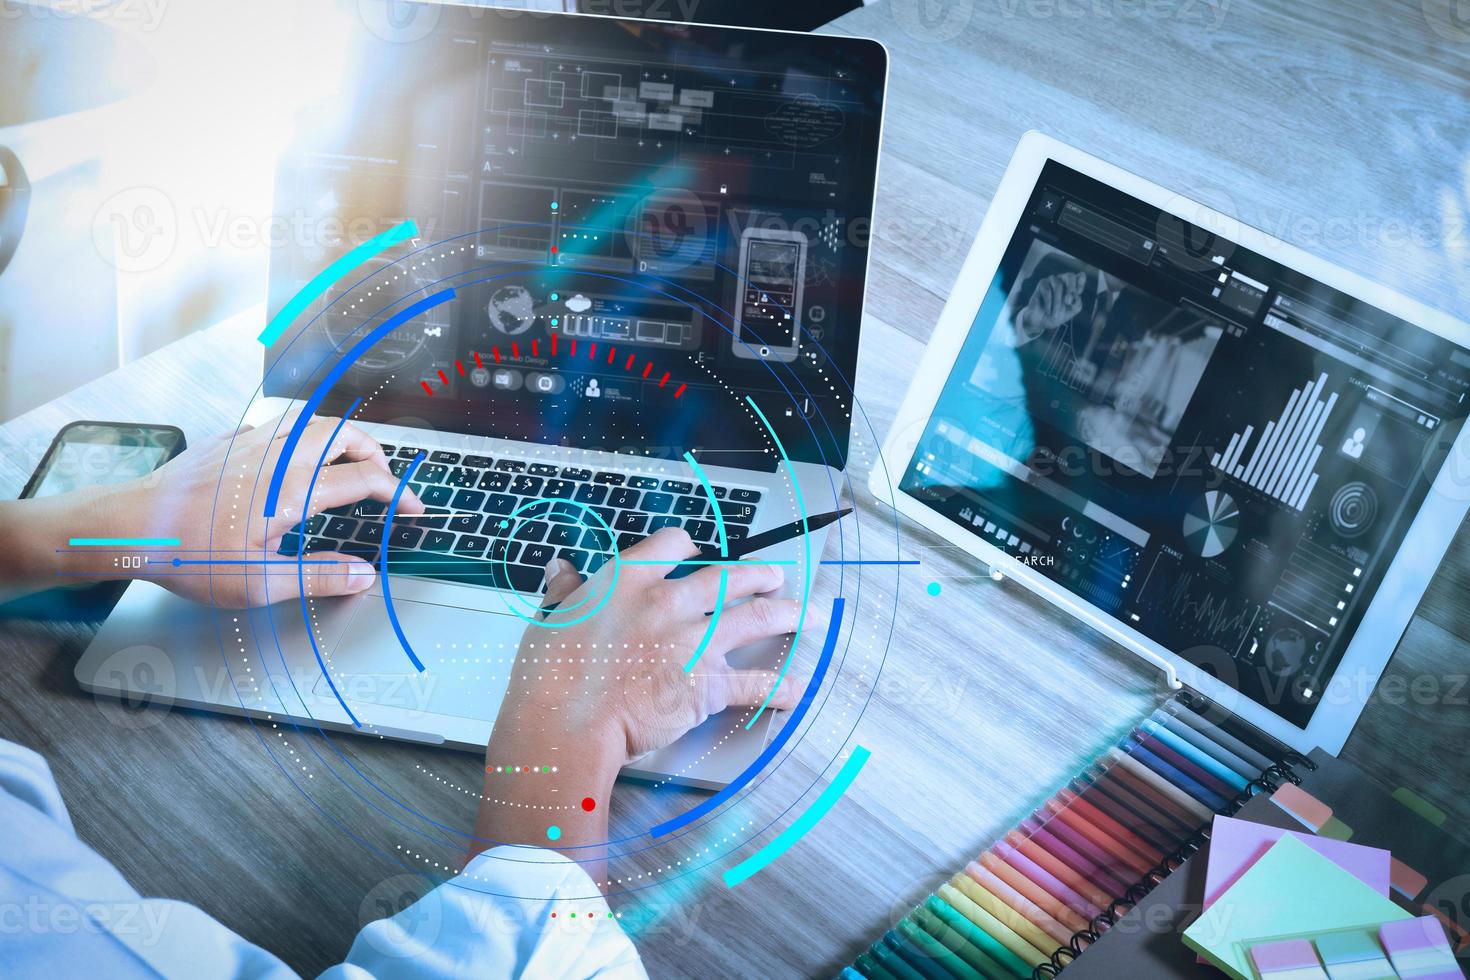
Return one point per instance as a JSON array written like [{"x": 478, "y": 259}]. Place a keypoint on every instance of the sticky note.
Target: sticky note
[
  {"x": 1235, "y": 845},
  {"x": 1353, "y": 955},
  {"x": 1287, "y": 959},
  {"x": 1419, "y": 950},
  {"x": 1293, "y": 891},
  {"x": 1309, "y": 811}
]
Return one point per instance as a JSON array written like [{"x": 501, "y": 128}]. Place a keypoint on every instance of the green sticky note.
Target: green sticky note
[{"x": 1291, "y": 891}]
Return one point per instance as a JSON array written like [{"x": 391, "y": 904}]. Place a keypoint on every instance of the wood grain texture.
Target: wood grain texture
[{"x": 1285, "y": 113}]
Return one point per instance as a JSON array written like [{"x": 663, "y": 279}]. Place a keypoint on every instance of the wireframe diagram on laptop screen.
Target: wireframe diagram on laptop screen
[
  {"x": 696, "y": 197},
  {"x": 1219, "y": 452}
]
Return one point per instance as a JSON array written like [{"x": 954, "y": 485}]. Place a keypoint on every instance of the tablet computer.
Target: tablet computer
[{"x": 1232, "y": 457}]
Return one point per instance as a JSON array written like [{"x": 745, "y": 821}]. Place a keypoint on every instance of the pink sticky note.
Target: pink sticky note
[{"x": 1235, "y": 845}]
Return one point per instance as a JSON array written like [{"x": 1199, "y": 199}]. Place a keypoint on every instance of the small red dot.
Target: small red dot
[
  {"x": 589, "y": 804},
  {"x": 553, "y": 915}
]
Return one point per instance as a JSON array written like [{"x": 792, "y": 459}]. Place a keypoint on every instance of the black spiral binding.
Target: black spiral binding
[{"x": 1270, "y": 780}]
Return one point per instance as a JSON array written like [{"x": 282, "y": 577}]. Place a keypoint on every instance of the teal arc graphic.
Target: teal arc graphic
[
  {"x": 323, "y": 280},
  {"x": 803, "y": 824}
]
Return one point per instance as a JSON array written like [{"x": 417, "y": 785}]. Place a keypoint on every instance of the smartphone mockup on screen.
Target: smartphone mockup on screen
[{"x": 772, "y": 269}]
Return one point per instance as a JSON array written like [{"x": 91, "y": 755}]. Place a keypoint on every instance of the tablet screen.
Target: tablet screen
[{"x": 1218, "y": 451}]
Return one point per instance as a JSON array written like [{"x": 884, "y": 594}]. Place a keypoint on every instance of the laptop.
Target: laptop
[
  {"x": 655, "y": 235},
  {"x": 1233, "y": 458}
]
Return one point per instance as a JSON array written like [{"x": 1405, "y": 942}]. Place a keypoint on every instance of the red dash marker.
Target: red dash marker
[
  {"x": 459, "y": 367},
  {"x": 553, "y": 345},
  {"x": 427, "y": 390},
  {"x": 664, "y": 380},
  {"x": 592, "y": 351},
  {"x": 443, "y": 378},
  {"x": 648, "y": 369},
  {"x": 679, "y": 390},
  {"x": 479, "y": 363},
  {"x": 573, "y": 351},
  {"x": 612, "y": 352},
  {"x": 515, "y": 350},
  {"x": 629, "y": 366},
  {"x": 535, "y": 348},
  {"x": 495, "y": 353}
]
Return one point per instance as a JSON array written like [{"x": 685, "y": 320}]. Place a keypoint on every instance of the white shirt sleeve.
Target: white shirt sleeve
[{"x": 65, "y": 910}]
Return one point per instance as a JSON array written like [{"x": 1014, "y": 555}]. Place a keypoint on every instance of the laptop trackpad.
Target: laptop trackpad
[{"x": 467, "y": 656}]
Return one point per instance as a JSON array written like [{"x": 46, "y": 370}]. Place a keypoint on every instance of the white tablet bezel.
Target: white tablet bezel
[{"x": 1408, "y": 574}]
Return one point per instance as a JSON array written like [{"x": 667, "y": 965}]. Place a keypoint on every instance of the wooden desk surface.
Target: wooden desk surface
[{"x": 1339, "y": 126}]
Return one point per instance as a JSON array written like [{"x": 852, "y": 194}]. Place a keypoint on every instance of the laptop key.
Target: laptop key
[
  {"x": 495, "y": 481},
  {"x": 478, "y": 462},
  {"x": 461, "y": 477},
  {"x": 437, "y": 495},
  {"x": 643, "y": 482},
  {"x": 596, "y": 539},
  {"x": 370, "y": 532},
  {"x": 499, "y": 503},
  {"x": 608, "y": 515},
  {"x": 471, "y": 544},
  {"x": 468, "y": 500},
  {"x": 735, "y": 532},
  {"x": 503, "y": 549},
  {"x": 537, "y": 554},
  {"x": 340, "y": 528},
  {"x": 321, "y": 544},
  {"x": 542, "y": 469},
  {"x": 405, "y": 537},
  {"x": 721, "y": 492},
  {"x": 577, "y": 557},
  {"x": 590, "y": 493},
  {"x": 465, "y": 523},
  {"x": 398, "y": 467},
  {"x": 737, "y": 513},
  {"x": 678, "y": 486},
  {"x": 610, "y": 479},
  {"x": 690, "y": 506},
  {"x": 443, "y": 456},
  {"x": 511, "y": 466},
  {"x": 701, "y": 530},
  {"x": 626, "y": 541},
  {"x": 316, "y": 523},
  {"x": 563, "y": 534},
  {"x": 657, "y": 503},
  {"x": 623, "y": 498},
  {"x": 526, "y": 486},
  {"x": 559, "y": 489},
  {"x": 576, "y": 473},
  {"x": 629, "y": 521},
  {"x": 661, "y": 522},
  {"x": 369, "y": 508},
  {"x": 408, "y": 452},
  {"x": 437, "y": 541},
  {"x": 367, "y": 552},
  {"x": 531, "y": 531},
  {"x": 595, "y": 562},
  {"x": 290, "y": 544},
  {"x": 741, "y": 495},
  {"x": 525, "y": 578},
  {"x": 387, "y": 449},
  {"x": 433, "y": 517},
  {"x": 432, "y": 472}
]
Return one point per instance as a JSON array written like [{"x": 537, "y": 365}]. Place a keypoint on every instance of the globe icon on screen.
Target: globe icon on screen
[{"x": 512, "y": 310}]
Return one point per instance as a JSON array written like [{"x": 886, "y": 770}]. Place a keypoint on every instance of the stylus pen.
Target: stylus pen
[{"x": 747, "y": 546}]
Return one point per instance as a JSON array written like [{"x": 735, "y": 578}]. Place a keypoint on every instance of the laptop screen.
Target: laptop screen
[
  {"x": 1220, "y": 452},
  {"x": 644, "y": 224}
]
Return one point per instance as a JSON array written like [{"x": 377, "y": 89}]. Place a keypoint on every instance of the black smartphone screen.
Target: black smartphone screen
[{"x": 86, "y": 454}]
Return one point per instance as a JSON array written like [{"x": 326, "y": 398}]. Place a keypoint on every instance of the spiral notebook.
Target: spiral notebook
[{"x": 1102, "y": 880}]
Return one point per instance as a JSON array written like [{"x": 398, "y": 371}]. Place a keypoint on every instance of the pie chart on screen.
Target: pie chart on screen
[{"x": 1210, "y": 523}]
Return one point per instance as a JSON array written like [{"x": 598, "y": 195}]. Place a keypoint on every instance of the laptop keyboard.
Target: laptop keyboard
[{"x": 467, "y": 534}]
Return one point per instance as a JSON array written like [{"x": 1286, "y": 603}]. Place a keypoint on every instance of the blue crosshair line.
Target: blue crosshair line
[
  {"x": 383, "y": 559},
  {"x": 273, "y": 495},
  {"x": 776, "y": 744}
]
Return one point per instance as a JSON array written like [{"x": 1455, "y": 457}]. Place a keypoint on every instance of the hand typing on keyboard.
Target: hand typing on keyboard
[
  {"x": 596, "y": 694},
  {"x": 212, "y": 497}
]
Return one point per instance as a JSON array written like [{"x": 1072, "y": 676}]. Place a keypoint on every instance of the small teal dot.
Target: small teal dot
[
  {"x": 554, "y": 297},
  {"x": 554, "y": 205},
  {"x": 553, "y": 832},
  {"x": 554, "y": 321},
  {"x": 933, "y": 588}
]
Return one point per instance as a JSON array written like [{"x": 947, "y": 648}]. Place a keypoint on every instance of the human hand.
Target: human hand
[
  {"x": 211, "y": 496},
  {"x": 596, "y": 694},
  {"x": 1054, "y": 301}
]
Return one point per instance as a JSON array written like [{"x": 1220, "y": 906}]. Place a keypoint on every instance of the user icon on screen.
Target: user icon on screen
[
  {"x": 593, "y": 390},
  {"x": 1352, "y": 447}
]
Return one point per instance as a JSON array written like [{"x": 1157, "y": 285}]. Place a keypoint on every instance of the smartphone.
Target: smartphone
[
  {"x": 772, "y": 274},
  {"x": 85, "y": 454}
]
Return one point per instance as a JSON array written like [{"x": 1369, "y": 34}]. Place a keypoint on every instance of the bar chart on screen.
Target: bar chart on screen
[{"x": 1284, "y": 460}]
